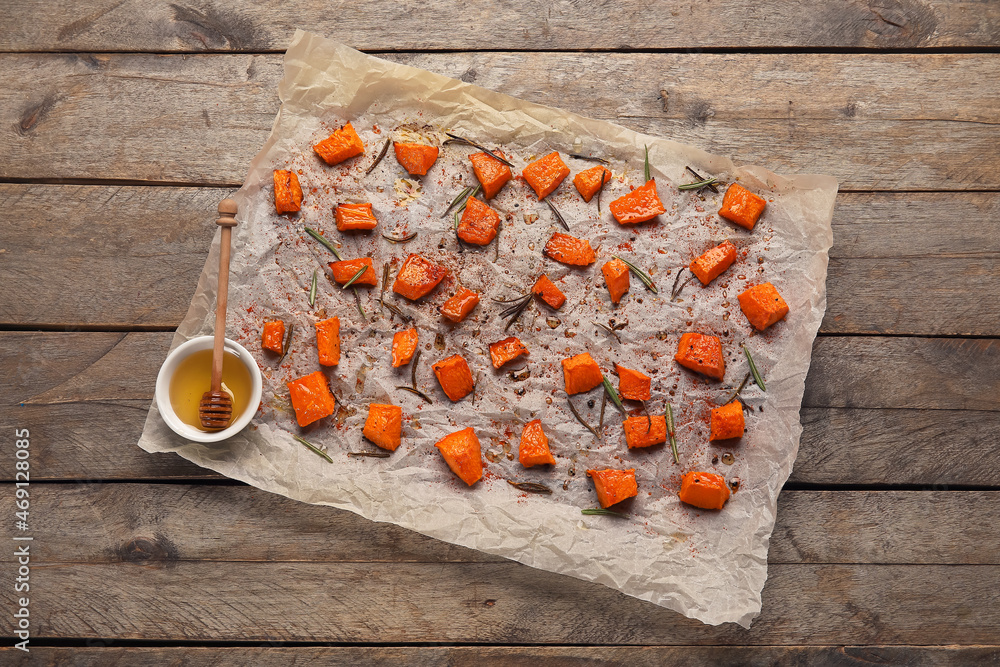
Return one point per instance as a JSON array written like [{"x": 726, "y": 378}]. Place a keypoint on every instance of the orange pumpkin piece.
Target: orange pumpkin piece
[
  {"x": 342, "y": 144},
  {"x": 506, "y": 350},
  {"x": 328, "y": 341},
  {"x": 463, "y": 455},
  {"x": 287, "y": 193},
  {"x": 616, "y": 276},
  {"x": 355, "y": 216},
  {"x": 534, "y": 447},
  {"x": 548, "y": 292},
  {"x": 633, "y": 385},
  {"x": 701, "y": 353},
  {"x": 645, "y": 431},
  {"x": 570, "y": 250},
  {"x": 589, "y": 181},
  {"x": 273, "y": 336},
  {"x": 763, "y": 306},
  {"x": 404, "y": 344},
  {"x": 347, "y": 269},
  {"x": 417, "y": 277},
  {"x": 545, "y": 174},
  {"x": 727, "y": 422},
  {"x": 640, "y": 205},
  {"x": 581, "y": 373},
  {"x": 741, "y": 206},
  {"x": 491, "y": 173},
  {"x": 455, "y": 377},
  {"x": 384, "y": 426},
  {"x": 459, "y": 306},
  {"x": 705, "y": 490},
  {"x": 613, "y": 486},
  {"x": 479, "y": 223},
  {"x": 311, "y": 398},
  {"x": 416, "y": 159},
  {"x": 708, "y": 266}
]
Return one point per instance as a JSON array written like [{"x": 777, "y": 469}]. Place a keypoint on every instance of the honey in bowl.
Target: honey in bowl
[{"x": 193, "y": 378}]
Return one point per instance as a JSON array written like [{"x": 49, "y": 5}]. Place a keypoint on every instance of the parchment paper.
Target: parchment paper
[{"x": 706, "y": 565}]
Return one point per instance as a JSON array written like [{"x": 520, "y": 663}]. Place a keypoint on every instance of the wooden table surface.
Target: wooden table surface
[{"x": 124, "y": 122}]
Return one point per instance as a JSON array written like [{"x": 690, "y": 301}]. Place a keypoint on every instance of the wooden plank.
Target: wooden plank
[
  {"x": 280, "y": 654},
  {"x": 876, "y": 410},
  {"x": 90, "y": 523},
  {"x": 126, "y": 256},
  {"x": 857, "y": 117},
  {"x": 495, "y": 603},
  {"x": 133, "y": 25}
]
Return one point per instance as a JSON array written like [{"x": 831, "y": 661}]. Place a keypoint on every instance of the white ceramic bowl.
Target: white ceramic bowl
[{"x": 167, "y": 372}]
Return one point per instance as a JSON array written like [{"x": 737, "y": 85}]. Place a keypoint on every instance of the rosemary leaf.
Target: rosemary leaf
[
  {"x": 613, "y": 395},
  {"x": 312, "y": 289},
  {"x": 381, "y": 154},
  {"x": 416, "y": 392},
  {"x": 647, "y": 164},
  {"x": 530, "y": 487},
  {"x": 572, "y": 408},
  {"x": 385, "y": 283},
  {"x": 609, "y": 330},
  {"x": 711, "y": 186},
  {"x": 314, "y": 448},
  {"x": 413, "y": 369},
  {"x": 458, "y": 198},
  {"x": 649, "y": 419},
  {"x": 604, "y": 403},
  {"x": 698, "y": 185},
  {"x": 394, "y": 309},
  {"x": 604, "y": 177},
  {"x": 322, "y": 239},
  {"x": 469, "y": 142},
  {"x": 676, "y": 291},
  {"x": 589, "y": 158},
  {"x": 374, "y": 455},
  {"x": 595, "y": 511},
  {"x": 559, "y": 217},
  {"x": 357, "y": 300},
  {"x": 400, "y": 239},
  {"x": 738, "y": 390},
  {"x": 357, "y": 275},
  {"x": 640, "y": 274},
  {"x": 288, "y": 342},
  {"x": 671, "y": 432},
  {"x": 758, "y": 380},
  {"x": 465, "y": 202}
]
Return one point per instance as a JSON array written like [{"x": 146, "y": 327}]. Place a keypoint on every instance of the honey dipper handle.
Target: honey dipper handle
[{"x": 226, "y": 220}]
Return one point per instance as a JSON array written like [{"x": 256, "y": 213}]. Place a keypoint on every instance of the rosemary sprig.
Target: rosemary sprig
[
  {"x": 604, "y": 403},
  {"x": 385, "y": 284},
  {"x": 374, "y": 455},
  {"x": 640, "y": 274},
  {"x": 322, "y": 239},
  {"x": 357, "y": 275},
  {"x": 758, "y": 380},
  {"x": 738, "y": 390},
  {"x": 609, "y": 330},
  {"x": 400, "y": 239},
  {"x": 604, "y": 176},
  {"x": 413, "y": 369},
  {"x": 357, "y": 300},
  {"x": 496, "y": 244},
  {"x": 394, "y": 309},
  {"x": 559, "y": 217},
  {"x": 593, "y": 511},
  {"x": 415, "y": 391},
  {"x": 465, "y": 202},
  {"x": 316, "y": 450},
  {"x": 711, "y": 186},
  {"x": 613, "y": 395},
  {"x": 572, "y": 408},
  {"x": 381, "y": 154},
  {"x": 589, "y": 158},
  {"x": 671, "y": 432},
  {"x": 469, "y": 142},
  {"x": 530, "y": 487},
  {"x": 647, "y": 164},
  {"x": 465, "y": 191},
  {"x": 312, "y": 289},
  {"x": 698, "y": 185},
  {"x": 676, "y": 291},
  {"x": 511, "y": 313},
  {"x": 288, "y": 342}
]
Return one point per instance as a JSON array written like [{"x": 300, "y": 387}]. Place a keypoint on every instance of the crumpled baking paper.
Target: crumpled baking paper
[{"x": 706, "y": 565}]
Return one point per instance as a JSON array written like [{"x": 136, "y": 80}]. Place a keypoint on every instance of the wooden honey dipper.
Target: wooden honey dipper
[{"x": 216, "y": 407}]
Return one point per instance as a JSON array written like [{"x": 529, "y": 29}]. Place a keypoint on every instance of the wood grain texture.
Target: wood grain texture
[
  {"x": 133, "y": 25},
  {"x": 856, "y": 117},
  {"x": 864, "y": 421},
  {"x": 496, "y": 603},
  {"x": 93, "y": 265},
  {"x": 92, "y": 523}
]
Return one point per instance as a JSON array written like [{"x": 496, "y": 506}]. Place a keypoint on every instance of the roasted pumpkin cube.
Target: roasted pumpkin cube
[
  {"x": 613, "y": 486},
  {"x": 287, "y": 192},
  {"x": 741, "y": 206},
  {"x": 328, "y": 341},
  {"x": 462, "y": 453},
  {"x": 404, "y": 344},
  {"x": 589, "y": 181},
  {"x": 355, "y": 216},
  {"x": 384, "y": 425},
  {"x": 570, "y": 250},
  {"x": 491, "y": 173},
  {"x": 416, "y": 159},
  {"x": 727, "y": 422},
  {"x": 581, "y": 373},
  {"x": 506, "y": 350},
  {"x": 273, "y": 336},
  {"x": 708, "y": 266},
  {"x": 455, "y": 377},
  {"x": 534, "y": 447},
  {"x": 347, "y": 269},
  {"x": 459, "y": 306},
  {"x": 633, "y": 385},
  {"x": 342, "y": 144},
  {"x": 547, "y": 291},
  {"x": 763, "y": 306},
  {"x": 705, "y": 490},
  {"x": 479, "y": 223},
  {"x": 701, "y": 353},
  {"x": 418, "y": 277},
  {"x": 640, "y": 205},
  {"x": 545, "y": 174},
  {"x": 645, "y": 431},
  {"x": 616, "y": 275},
  {"x": 311, "y": 398}
]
